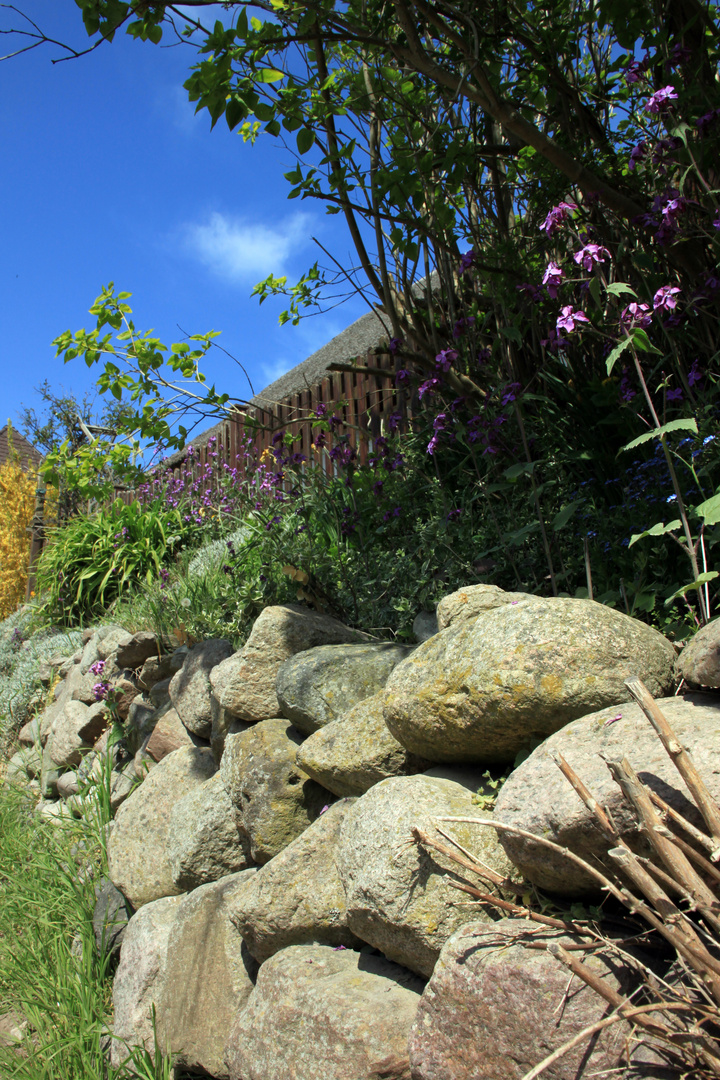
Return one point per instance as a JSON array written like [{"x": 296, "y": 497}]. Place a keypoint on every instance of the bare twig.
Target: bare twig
[
  {"x": 700, "y": 837},
  {"x": 482, "y": 871},
  {"x": 680, "y": 757},
  {"x": 676, "y": 861}
]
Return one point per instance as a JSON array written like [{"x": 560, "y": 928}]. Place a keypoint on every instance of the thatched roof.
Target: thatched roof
[
  {"x": 29, "y": 457},
  {"x": 366, "y": 333}
]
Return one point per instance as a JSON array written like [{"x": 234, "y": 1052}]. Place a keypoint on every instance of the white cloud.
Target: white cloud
[
  {"x": 241, "y": 251},
  {"x": 273, "y": 371}
]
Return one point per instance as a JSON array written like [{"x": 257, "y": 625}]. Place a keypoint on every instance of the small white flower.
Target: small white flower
[{"x": 185, "y": 602}]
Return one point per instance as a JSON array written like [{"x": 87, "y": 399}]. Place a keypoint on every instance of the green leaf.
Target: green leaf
[
  {"x": 657, "y": 530},
  {"x": 686, "y": 424},
  {"x": 595, "y": 291},
  {"x": 643, "y": 342},
  {"x": 616, "y": 353},
  {"x": 305, "y": 139},
  {"x": 619, "y": 288},
  {"x": 701, "y": 580},
  {"x": 709, "y": 510},
  {"x": 512, "y": 334},
  {"x": 561, "y": 519},
  {"x": 235, "y": 112},
  {"x": 521, "y": 468},
  {"x": 269, "y": 75}
]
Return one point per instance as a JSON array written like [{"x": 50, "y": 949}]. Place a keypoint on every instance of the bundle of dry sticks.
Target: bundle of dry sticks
[{"x": 676, "y": 891}]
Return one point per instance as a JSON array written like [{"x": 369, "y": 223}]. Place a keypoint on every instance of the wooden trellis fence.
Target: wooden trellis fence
[{"x": 363, "y": 398}]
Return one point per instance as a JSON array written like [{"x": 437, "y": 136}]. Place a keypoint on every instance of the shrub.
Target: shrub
[
  {"x": 91, "y": 561},
  {"x": 17, "y": 500}
]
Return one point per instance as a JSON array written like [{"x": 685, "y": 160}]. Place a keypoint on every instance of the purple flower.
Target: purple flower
[
  {"x": 695, "y": 375},
  {"x": 510, "y": 393},
  {"x": 394, "y": 344},
  {"x": 101, "y": 690},
  {"x": 483, "y": 356},
  {"x": 98, "y": 667},
  {"x": 553, "y": 341},
  {"x": 430, "y": 386},
  {"x": 462, "y": 325},
  {"x": 402, "y": 377},
  {"x": 321, "y": 410},
  {"x": 591, "y": 254},
  {"x": 635, "y": 71},
  {"x": 672, "y": 208},
  {"x": 660, "y": 100},
  {"x": 674, "y": 395},
  {"x": 704, "y": 123},
  {"x": 637, "y": 154},
  {"x": 663, "y": 152},
  {"x": 432, "y": 445},
  {"x": 552, "y": 279},
  {"x": 568, "y": 319},
  {"x": 454, "y": 515},
  {"x": 467, "y": 261},
  {"x": 394, "y": 420},
  {"x": 716, "y": 222},
  {"x": 556, "y": 217},
  {"x": 680, "y": 55},
  {"x": 664, "y": 298},
  {"x": 636, "y": 315},
  {"x": 445, "y": 359}
]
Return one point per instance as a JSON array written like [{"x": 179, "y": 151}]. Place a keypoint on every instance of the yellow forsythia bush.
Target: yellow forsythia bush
[{"x": 17, "y": 501}]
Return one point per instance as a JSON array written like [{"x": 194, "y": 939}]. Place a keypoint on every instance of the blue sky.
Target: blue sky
[{"x": 107, "y": 175}]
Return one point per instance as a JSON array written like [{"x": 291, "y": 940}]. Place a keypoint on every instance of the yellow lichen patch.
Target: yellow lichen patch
[{"x": 552, "y": 685}]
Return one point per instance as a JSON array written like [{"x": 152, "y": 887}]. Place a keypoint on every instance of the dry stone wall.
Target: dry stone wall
[{"x": 271, "y": 889}]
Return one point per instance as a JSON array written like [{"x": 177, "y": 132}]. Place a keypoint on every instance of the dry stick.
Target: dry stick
[
  {"x": 610, "y": 831},
  {"x": 696, "y": 857},
  {"x": 601, "y": 988},
  {"x": 603, "y": 816},
  {"x": 465, "y": 851},
  {"x": 675, "y": 924},
  {"x": 706, "y": 1046},
  {"x": 676, "y": 861},
  {"x": 486, "y": 874},
  {"x": 518, "y": 909},
  {"x": 588, "y": 569},
  {"x": 604, "y": 881},
  {"x": 588, "y": 1032},
  {"x": 678, "y": 940},
  {"x": 680, "y": 757},
  {"x": 677, "y": 818}
]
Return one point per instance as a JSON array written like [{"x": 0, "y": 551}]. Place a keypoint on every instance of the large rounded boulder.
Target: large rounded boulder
[
  {"x": 484, "y": 689},
  {"x": 397, "y": 893},
  {"x": 538, "y": 799}
]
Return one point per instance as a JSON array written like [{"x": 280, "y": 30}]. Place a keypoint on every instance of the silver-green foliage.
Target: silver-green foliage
[
  {"x": 212, "y": 556},
  {"x": 22, "y": 650}
]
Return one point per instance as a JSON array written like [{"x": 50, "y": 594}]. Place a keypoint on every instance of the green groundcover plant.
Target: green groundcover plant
[{"x": 53, "y": 982}]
